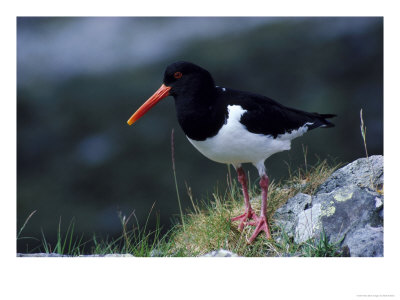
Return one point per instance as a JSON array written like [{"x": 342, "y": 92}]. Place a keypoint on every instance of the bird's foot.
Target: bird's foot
[
  {"x": 261, "y": 225},
  {"x": 248, "y": 214}
]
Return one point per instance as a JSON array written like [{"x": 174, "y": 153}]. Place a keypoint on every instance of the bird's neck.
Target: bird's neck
[{"x": 199, "y": 114}]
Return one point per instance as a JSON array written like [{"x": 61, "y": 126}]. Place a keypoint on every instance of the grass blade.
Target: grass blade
[
  {"x": 26, "y": 222},
  {"x": 176, "y": 181}
]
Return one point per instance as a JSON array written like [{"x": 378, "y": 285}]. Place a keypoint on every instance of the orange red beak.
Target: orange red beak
[{"x": 161, "y": 93}]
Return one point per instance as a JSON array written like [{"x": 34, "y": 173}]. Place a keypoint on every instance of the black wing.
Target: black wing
[{"x": 269, "y": 117}]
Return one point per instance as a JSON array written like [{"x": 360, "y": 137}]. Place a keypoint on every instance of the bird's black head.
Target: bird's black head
[
  {"x": 188, "y": 83},
  {"x": 185, "y": 79}
]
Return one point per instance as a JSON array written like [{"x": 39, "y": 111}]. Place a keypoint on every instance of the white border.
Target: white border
[{"x": 189, "y": 278}]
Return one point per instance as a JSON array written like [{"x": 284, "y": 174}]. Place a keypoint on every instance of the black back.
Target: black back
[{"x": 202, "y": 108}]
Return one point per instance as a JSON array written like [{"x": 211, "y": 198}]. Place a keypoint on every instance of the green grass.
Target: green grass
[
  {"x": 322, "y": 248},
  {"x": 134, "y": 240},
  {"x": 67, "y": 244},
  {"x": 207, "y": 227}
]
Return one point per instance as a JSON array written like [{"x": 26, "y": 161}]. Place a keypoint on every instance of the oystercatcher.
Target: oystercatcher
[{"x": 232, "y": 127}]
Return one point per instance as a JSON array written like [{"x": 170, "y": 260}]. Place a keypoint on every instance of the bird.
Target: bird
[{"x": 232, "y": 127}]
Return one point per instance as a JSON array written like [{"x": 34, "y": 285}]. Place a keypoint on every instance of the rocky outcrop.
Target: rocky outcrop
[
  {"x": 347, "y": 208},
  {"x": 363, "y": 172}
]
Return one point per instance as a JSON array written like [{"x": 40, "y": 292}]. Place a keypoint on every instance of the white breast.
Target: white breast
[{"x": 234, "y": 144}]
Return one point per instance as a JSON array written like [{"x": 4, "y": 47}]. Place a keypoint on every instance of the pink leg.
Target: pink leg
[
  {"x": 261, "y": 222},
  {"x": 248, "y": 213}
]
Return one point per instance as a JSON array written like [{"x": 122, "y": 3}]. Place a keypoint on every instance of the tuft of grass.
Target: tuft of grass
[
  {"x": 134, "y": 239},
  {"x": 322, "y": 248},
  {"x": 208, "y": 226},
  {"x": 67, "y": 244}
]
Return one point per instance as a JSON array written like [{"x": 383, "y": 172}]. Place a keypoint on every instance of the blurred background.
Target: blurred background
[{"x": 80, "y": 79}]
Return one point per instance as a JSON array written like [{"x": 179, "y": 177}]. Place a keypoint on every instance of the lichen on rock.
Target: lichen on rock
[{"x": 346, "y": 207}]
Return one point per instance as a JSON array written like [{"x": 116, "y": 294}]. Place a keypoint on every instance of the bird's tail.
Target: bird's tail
[{"x": 321, "y": 121}]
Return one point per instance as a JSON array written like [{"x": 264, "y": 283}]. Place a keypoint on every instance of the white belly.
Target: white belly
[{"x": 235, "y": 145}]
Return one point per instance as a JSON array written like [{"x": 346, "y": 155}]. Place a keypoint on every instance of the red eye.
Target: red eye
[{"x": 177, "y": 75}]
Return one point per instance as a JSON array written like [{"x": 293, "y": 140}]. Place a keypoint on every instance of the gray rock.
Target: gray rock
[
  {"x": 366, "y": 241},
  {"x": 109, "y": 255},
  {"x": 156, "y": 253},
  {"x": 288, "y": 216},
  {"x": 220, "y": 253},
  {"x": 361, "y": 172},
  {"x": 345, "y": 208}
]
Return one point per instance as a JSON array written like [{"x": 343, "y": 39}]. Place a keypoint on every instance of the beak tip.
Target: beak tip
[{"x": 161, "y": 93}]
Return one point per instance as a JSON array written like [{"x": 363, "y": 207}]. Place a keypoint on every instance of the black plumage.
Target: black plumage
[{"x": 202, "y": 107}]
